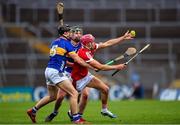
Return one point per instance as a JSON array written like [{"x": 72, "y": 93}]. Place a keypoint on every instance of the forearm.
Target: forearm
[
  {"x": 114, "y": 41},
  {"x": 111, "y": 42},
  {"x": 100, "y": 66},
  {"x": 107, "y": 67}
]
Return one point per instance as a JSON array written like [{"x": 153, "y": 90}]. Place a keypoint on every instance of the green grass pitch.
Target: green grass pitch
[{"x": 128, "y": 112}]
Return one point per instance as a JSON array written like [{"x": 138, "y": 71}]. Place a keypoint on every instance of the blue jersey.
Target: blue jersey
[
  {"x": 58, "y": 50},
  {"x": 76, "y": 48}
]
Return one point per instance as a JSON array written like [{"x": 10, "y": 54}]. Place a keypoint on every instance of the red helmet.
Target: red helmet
[{"x": 88, "y": 38}]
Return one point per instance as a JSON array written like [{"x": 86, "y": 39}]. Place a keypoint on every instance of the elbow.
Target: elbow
[{"x": 80, "y": 62}]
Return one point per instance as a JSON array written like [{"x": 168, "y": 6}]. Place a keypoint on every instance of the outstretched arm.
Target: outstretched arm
[
  {"x": 126, "y": 36},
  {"x": 94, "y": 63}
]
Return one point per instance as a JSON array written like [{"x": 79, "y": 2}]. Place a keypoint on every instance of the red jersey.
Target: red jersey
[{"x": 79, "y": 71}]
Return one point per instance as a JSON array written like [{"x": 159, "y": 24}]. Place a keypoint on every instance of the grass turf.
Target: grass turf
[{"x": 128, "y": 112}]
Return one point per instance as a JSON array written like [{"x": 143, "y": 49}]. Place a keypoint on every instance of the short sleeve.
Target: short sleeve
[
  {"x": 96, "y": 46},
  {"x": 69, "y": 47}
]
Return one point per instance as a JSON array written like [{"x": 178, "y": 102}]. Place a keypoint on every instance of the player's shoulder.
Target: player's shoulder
[
  {"x": 62, "y": 41},
  {"x": 54, "y": 41}
]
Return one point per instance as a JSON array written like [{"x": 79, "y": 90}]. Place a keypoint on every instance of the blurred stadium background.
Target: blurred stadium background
[{"x": 28, "y": 27}]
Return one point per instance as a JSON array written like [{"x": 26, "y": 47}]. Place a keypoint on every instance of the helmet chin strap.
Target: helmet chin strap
[
  {"x": 86, "y": 47},
  {"x": 89, "y": 48}
]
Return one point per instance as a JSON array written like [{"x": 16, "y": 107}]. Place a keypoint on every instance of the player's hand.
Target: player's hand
[
  {"x": 121, "y": 66},
  {"x": 127, "y": 35}
]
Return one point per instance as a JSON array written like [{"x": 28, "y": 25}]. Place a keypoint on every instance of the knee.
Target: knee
[
  {"x": 85, "y": 96},
  {"x": 61, "y": 95},
  {"x": 74, "y": 94},
  {"x": 52, "y": 98},
  {"x": 106, "y": 90}
]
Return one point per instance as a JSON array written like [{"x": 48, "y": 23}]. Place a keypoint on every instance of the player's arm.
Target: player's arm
[
  {"x": 79, "y": 60},
  {"x": 111, "y": 42},
  {"x": 94, "y": 63}
]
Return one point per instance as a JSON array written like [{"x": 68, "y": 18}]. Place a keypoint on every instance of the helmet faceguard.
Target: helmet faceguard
[
  {"x": 76, "y": 33},
  {"x": 76, "y": 29}
]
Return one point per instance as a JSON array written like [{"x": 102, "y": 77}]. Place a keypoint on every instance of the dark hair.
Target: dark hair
[{"x": 63, "y": 28}]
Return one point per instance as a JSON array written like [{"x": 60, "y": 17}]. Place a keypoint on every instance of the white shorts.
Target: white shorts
[
  {"x": 81, "y": 84},
  {"x": 68, "y": 75},
  {"x": 53, "y": 76}
]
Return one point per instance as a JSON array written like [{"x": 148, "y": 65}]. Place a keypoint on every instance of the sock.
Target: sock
[
  {"x": 104, "y": 110},
  {"x": 55, "y": 112},
  {"x": 34, "y": 110},
  {"x": 70, "y": 115},
  {"x": 76, "y": 117},
  {"x": 70, "y": 112},
  {"x": 80, "y": 114}
]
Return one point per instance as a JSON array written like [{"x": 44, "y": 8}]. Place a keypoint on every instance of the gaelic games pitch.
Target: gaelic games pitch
[{"x": 128, "y": 112}]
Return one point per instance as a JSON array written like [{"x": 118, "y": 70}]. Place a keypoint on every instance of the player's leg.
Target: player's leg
[
  {"x": 104, "y": 90},
  {"x": 60, "y": 96},
  {"x": 83, "y": 100},
  {"x": 67, "y": 86},
  {"x": 52, "y": 93}
]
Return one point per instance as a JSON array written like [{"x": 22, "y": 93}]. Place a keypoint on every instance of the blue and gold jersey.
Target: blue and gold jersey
[
  {"x": 76, "y": 48},
  {"x": 59, "y": 48}
]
